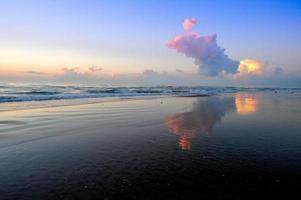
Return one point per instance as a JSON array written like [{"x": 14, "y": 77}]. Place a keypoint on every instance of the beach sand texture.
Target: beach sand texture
[{"x": 227, "y": 145}]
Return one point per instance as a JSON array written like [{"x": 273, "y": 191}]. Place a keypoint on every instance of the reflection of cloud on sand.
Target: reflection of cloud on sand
[
  {"x": 202, "y": 118},
  {"x": 245, "y": 104}
]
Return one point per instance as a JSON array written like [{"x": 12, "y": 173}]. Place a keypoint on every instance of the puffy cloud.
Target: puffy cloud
[
  {"x": 254, "y": 73},
  {"x": 189, "y": 23},
  {"x": 249, "y": 67},
  {"x": 212, "y": 60},
  {"x": 207, "y": 54},
  {"x": 258, "y": 73},
  {"x": 147, "y": 77},
  {"x": 73, "y": 75}
]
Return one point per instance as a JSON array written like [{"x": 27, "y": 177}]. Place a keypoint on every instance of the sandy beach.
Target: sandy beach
[
  {"x": 228, "y": 145},
  {"x": 150, "y": 100}
]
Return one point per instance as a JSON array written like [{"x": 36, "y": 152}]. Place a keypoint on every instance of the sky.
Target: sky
[{"x": 129, "y": 42}]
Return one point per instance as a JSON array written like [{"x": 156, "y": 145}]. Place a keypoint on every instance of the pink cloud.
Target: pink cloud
[
  {"x": 189, "y": 23},
  {"x": 207, "y": 54},
  {"x": 210, "y": 58}
]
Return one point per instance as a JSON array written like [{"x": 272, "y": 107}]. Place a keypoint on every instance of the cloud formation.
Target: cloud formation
[
  {"x": 95, "y": 69},
  {"x": 250, "y": 67},
  {"x": 189, "y": 23},
  {"x": 271, "y": 77},
  {"x": 148, "y": 77},
  {"x": 34, "y": 73},
  {"x": 150, "y": 72},
  {"x": 207, "y": 54}
]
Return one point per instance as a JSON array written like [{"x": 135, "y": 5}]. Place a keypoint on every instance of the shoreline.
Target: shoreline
[
  {"x": 39, "y": 104},
  {"x": 31, "y": 105}
]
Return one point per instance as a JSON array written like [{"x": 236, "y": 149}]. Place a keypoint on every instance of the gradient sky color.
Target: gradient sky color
[{"x": 130, "y": 36}]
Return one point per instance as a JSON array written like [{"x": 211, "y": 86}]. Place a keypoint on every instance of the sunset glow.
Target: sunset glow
[
  {"x": 197, "y": 47},
  {"x": 245, "y": 104},
  {"x": 249, "y": 66},
  {"x": 202, "y": 118},
  {"x": 144, "y": 99},
  {"x": 176, "y": 124}
]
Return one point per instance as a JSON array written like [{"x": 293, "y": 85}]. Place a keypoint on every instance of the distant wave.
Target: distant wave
[
  {"x": 38, "y": 93},
  {"x": 17, "y": 93},
  {"x": 99, "y": 91}
]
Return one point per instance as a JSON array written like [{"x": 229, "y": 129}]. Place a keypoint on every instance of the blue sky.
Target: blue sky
[{"x": 130, "y": 36}]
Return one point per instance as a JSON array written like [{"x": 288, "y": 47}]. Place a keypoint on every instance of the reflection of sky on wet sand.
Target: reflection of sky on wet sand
[
  {"x": 245, "y": 104},
  {"x": 205, "y": 114},
  {"x": 125, "y": 147}
]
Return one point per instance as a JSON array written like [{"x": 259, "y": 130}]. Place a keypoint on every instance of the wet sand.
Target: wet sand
[{"x": 228, "y": 146}]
